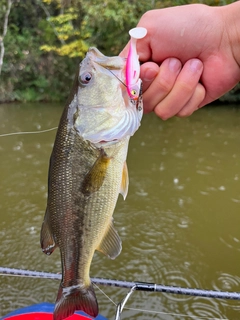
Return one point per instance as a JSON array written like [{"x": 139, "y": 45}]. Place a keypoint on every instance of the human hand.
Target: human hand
[{"x": 190, "y": 57}]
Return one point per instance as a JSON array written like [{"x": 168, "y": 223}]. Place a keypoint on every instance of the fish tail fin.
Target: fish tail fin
[{"x": 74, "y": 298}]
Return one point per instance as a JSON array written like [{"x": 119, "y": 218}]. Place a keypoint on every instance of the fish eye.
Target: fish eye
[{"x": 85, "y": 78}]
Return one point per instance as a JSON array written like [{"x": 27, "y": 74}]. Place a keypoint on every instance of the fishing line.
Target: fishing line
[
  {"x": 133, "y": 286},
  {"x": 174, "y": 314},
  {"x": 115, "y": 304},
  {"x": 117, "y": 77},
  {"x": 153, "y": 311},
  {"x": 26, "y": 132}
]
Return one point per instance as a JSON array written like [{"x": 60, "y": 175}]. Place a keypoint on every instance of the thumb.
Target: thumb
[
  {"x": 143, "y": 48},
  {"x": 124, "y": 52}
]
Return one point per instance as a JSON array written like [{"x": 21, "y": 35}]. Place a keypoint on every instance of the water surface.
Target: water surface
[{"x": 180, "y": 224}]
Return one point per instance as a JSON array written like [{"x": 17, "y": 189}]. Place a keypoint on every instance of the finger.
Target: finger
[
  {"x": 162, "y": 84},
  {"x": 194, "y": 102},
  {"x": 124, "y": 52},
  {"x": 149, "y": 71},
  {"x": 182, "y": 90}
]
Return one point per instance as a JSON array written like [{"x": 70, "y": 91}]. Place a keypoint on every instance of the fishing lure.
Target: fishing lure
[{"x": 133, "y": 82}]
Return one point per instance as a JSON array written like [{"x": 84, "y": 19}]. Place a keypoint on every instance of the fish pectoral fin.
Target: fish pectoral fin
[
  {"x": 111, "y": 244},
  {"x": 125, "y": 181},
  {"x": 95, "y": 177},
  {"x": 47, "y": 241}
]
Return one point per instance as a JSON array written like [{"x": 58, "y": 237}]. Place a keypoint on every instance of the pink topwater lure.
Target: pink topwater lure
[{"x": 133, "y": 66}]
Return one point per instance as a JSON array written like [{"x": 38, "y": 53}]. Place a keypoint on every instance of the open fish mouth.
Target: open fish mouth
[{"x": 120, "y": 115}]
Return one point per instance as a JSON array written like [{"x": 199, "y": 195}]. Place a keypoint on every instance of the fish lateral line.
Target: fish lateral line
[{"x": 86, "y": 174}]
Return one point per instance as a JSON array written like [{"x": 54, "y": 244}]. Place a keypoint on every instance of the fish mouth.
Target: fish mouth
[
  {"x": 113, "y": 63},
  {"x": 133, "y": 100},
  {"x": 116, "y": 116}
]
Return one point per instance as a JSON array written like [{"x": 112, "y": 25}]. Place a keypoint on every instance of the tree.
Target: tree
[
  {"x": 43, "y": 41},
  {"x": 6, "y": 5},
  {"x": 104, "y": 24}
]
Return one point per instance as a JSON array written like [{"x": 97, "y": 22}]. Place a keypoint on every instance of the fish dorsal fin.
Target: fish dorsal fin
[
  {"x": 47, "y": 241},
  {"x": 125, "y": 181},
  {"x": 111, "y": 244},
  {"x": 95, "y": 177}
]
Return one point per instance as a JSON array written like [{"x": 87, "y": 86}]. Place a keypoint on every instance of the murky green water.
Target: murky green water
[{"x": 180, "y": 223}]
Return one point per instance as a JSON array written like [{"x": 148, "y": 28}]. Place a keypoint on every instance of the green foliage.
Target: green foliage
[
  {"x": 109, "y": 32},
  {"x": 46, "y": 39},
  {"x": 94, "y": 22}
]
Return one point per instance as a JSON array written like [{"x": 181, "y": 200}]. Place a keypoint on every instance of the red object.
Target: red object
[
  {"x": 44, "y": 311},
  {"x": 43, "y": 316}
]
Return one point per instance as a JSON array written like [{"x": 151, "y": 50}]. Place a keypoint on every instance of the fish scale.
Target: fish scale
[{"x": 87, "y": 172}]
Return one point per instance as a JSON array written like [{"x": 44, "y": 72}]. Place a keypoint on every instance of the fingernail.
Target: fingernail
[
  {"x": 196, "y": 65},
  {"x": 149, "y": 74},
  {"x": 174, "y": 64}
]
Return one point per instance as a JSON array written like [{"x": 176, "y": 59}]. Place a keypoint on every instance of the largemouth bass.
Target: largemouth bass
[{"x": 87, "y": 171}]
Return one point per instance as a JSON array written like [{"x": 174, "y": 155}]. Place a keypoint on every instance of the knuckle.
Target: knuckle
[
  {"x": 147, "y": 16},
  {"x": 164, "y": 84},
  {"x": 187, "y": 87}
]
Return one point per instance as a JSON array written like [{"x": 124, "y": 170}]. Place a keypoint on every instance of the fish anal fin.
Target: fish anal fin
[
  {"x": 125, "y": 181},
  {"x": 74, "y": 298},
  {"x": 95, "y": 177},
  {"x": 111, "y": 244},
  {"x": 46, "y": 239}
]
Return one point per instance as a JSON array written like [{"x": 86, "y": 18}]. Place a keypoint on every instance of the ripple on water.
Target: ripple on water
[
  {"x": 228, "y": 282},
  {"x": 178, "y": 278},
  {"x": 231, "y": 242},
  {"x": 204, "y": 308}
]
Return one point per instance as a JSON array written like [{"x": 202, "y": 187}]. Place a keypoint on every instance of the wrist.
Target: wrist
[{"x": 231, "y": 16}]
